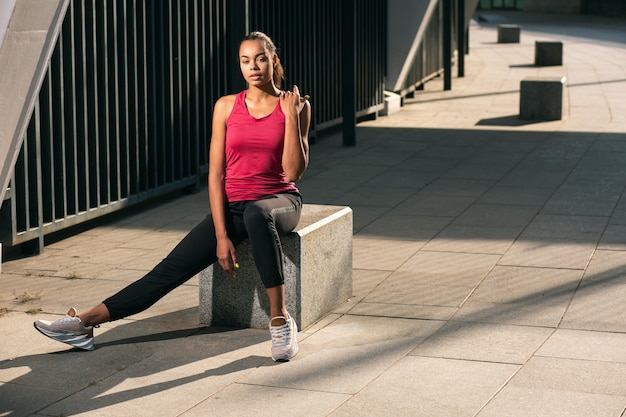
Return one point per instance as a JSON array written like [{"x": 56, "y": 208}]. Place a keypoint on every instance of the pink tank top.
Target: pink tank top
[{"x": 254, "y": 150}]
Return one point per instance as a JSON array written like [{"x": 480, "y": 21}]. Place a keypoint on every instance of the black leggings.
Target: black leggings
[{"x": 262, "y": 221}]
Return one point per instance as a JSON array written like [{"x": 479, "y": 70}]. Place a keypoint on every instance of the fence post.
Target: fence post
[
  {"x": 460, "y": 42},
  {"x": 348, "y": 71},
  {"x": 447, "y": 45},
  {"x": 237, "y": 29}
]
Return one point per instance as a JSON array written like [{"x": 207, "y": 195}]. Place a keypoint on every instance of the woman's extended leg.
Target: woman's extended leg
[{"x": 194, "y": 253}]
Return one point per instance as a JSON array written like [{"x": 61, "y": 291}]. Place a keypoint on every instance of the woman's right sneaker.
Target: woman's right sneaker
[
  {"x": 284, "y": 339},
  {"x": 68, "y": 329}
]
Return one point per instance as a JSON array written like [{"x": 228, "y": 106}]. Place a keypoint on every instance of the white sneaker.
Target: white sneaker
[
  {"x": 284, "y": 339},
  {"x": 68, "y": 329}
]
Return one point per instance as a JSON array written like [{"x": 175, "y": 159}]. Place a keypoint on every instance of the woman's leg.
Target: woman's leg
[
  {"x": 95, "y": 315},
  {"x": 278, "y": 309},
  {"x": 194, "y": 253},
  {"x": 265, "y": 221}
]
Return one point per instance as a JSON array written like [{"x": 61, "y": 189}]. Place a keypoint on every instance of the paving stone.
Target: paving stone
[
  {"x": 549, "y": 253},
  {"x": 592, "y": 377},
  {"x": 524, "y": 313},
  {"x": 598, "y": 306},
  {"x": 449, "y": 268},
  {"x": 382, "y": 254},
  {"x": 262, "y": 401},
  {"x": 419, "y": 386},
  {"x": 432, "y": 205},
  {"x": 585, "y": 345},
  {"x": 405, "y": 288},
  {"x": 524, "y": 402},
  {"x": 407, "y": 311},
  {"x": 506, "y": 284},
  {"x": 405, "y": 227},
  {"x": 484, "y": 342},
  {"x": 474, "y": 239},
  {"x": 547, "y": 226},
  {"x": 519, "y": 196}
]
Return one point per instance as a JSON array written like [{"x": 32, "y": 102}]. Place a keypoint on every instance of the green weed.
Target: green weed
[
  {"x": 26, "y": 297},
  {"x": 73, "y": 275}
]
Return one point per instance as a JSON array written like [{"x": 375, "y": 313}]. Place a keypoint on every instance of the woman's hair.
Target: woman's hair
[{"x": 279, "y": 71}]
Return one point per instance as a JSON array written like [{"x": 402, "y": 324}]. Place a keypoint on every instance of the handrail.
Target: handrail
[{"x": 23, "y": 73}]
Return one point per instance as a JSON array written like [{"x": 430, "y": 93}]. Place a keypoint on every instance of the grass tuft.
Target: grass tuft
[
  {"x": 26, "y": 297},
  {"x": 73, "y": 275}
]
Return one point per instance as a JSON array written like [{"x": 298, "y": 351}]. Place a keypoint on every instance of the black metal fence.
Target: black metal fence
[
  {"x": 309, "y": 34},
  {"x": 124, "y": 112},
  {"x": 122, "y": 115}
]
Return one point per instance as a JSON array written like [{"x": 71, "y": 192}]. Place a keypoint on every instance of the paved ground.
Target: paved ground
[{"x": 489, "y": 264}]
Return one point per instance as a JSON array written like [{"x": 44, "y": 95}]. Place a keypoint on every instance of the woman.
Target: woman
[{"x": 259, "y": 148}]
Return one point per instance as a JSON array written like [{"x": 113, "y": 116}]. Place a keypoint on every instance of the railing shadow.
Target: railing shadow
[{"x": 91, "y": 378}]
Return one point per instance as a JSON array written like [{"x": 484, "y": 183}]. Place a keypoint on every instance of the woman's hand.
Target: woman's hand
[
  {"x": 291, "y": 103},
  {"x": 226, "y": 255},
  {"x": 297, "y": 112}
]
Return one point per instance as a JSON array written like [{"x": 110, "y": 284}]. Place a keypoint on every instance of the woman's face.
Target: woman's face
[{"x": 255, "y": 62}]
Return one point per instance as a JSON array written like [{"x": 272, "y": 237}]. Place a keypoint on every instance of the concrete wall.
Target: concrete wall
[
  {"x": 406, "y": 22},
  {"x": 6, "y": 11},
  {"x": 552, "y": 6},
  {"x": 613, "y": 8}
]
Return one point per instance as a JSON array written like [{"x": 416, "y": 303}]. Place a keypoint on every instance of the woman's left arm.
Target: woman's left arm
[{"x": 297, "y": 112}]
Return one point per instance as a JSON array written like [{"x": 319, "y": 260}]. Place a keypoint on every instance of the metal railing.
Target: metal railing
[
  {"x": 124, "y": 112},
  {"x": 429, "y": 59}
]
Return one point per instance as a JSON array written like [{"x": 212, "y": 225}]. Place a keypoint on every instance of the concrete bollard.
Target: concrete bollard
[
  {"x": 541, "y": 98},
  {"x": 548, "y": 53},
  {"x": 508, "y": 33}
]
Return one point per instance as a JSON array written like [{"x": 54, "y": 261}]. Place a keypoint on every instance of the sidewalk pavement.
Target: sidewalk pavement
[{"x": 489, "y": 265}]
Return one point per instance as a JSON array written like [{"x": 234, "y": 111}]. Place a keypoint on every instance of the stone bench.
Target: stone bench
[
  {"x": 508, "y": 33},
  {"x": 548, "y": 53},
  {"x": 541, "y": 98},
  {"x": 317, "y": 268}
]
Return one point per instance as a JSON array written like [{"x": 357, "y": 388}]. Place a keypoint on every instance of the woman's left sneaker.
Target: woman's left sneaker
[
  {"x": 68, "y": 329},
  {"x": 284, "y": 339}
]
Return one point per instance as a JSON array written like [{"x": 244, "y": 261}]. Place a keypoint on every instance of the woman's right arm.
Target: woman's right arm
[{"x": 217, "y": 193}]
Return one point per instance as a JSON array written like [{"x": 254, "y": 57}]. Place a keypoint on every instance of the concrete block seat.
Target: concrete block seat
[
  {"x": 548, "y": 53},
  {"x": 318, "y": 274},
  {"x": 508, "y": 33},
  {"x": 541, "y": 98}
]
